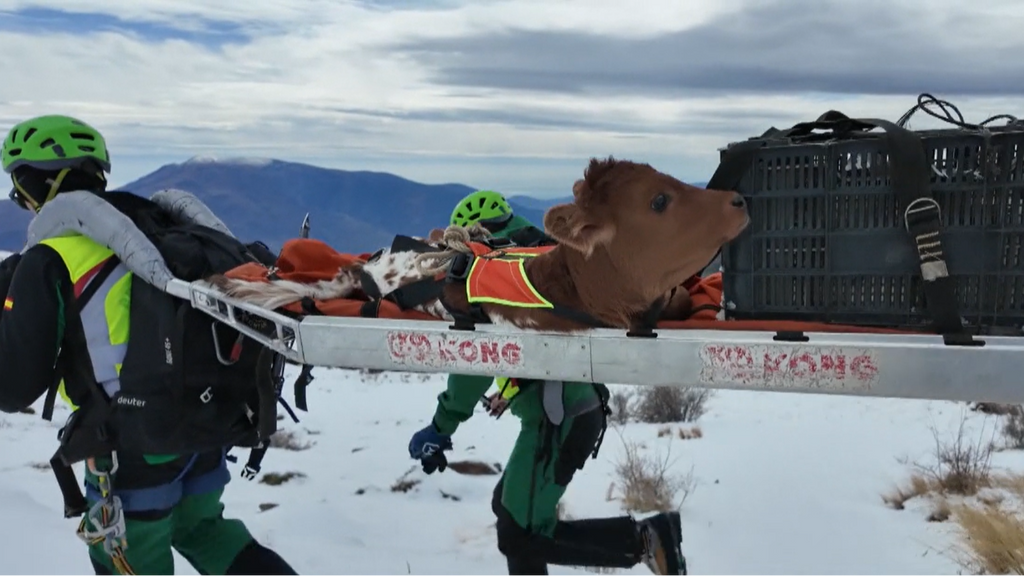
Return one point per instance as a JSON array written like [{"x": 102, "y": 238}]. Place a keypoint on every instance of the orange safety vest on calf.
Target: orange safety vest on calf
[{"x": 499, "y": 277}]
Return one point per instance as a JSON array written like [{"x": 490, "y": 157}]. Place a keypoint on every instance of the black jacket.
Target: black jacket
[{"x": 31, "y": 325}]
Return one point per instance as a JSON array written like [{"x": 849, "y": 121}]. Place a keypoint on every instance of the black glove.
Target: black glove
[
  {"x": 7, "y": 274},
  {"x": 434, "y": 462}
]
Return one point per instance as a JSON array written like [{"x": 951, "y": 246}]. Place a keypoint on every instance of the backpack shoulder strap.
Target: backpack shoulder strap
[
  {"x": 74, "y": 308},
  {"x": 91, "y": 215}
]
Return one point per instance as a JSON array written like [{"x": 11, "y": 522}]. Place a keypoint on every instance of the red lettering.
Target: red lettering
[
  {"x": 512, "y": 353},
  {"x": 438, "y": 350},
  {"x": 773, "y": 365},
  {"x": 489, "y": 352},
  {"x": 468, "y": 351},
  {"x": 742, "y": 358},
  {"x": 863, "y": 367},
  {"x": 802, "y": 366},
  {"x": 836, "y": 364},
  {"x": 444, "y": 351},
  {"x": 716, "y": 354},
  {"x": 778, "y": 366}
]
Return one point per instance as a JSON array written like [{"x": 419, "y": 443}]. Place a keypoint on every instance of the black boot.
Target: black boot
[
  {"x": 258, "y": 559},
  {"x": 596, "y": 542},
  {"x": 526, "y": 565},
  {"x": 603, "y": 542},
  {"x": 662, "y": 537}
]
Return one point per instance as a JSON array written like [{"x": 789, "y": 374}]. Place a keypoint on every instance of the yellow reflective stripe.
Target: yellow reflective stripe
[
  {"x": 64, "y": 395},
  {"x": 80, "y": 254},
  {"x": 505, "y": 255},
  {"x": 107, "y": 326},
  {"x": 117, "y": 308},
  {"x": 544, "y": 303},
  {"x": 505, "y": 387}
]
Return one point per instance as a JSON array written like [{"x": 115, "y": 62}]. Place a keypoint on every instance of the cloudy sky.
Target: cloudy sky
[{"x": 509, "y": 94}]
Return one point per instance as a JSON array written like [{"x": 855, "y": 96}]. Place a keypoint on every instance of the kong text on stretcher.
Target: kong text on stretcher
[{"x": 711, "y": 354}]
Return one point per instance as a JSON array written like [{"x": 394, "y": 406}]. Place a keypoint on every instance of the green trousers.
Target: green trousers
[
  {"x": 172, "y": 503},
  {"x": 543, "y": 462},
  {"x": 196, "y": 528}
]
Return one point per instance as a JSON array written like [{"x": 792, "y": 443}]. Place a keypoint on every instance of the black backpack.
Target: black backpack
[{"x": 188, "y": 382}]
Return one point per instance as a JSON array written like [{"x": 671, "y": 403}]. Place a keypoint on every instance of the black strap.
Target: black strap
[
  {"x": 74, "y": 360},
  {"x": 75, "y": 503},
  {"x": 416, "y": 293},
  {"x": 266, "y": 391},
  {"x": 410, "y": 244},
  {"x": 303, "y": 380},
  {"x": 909, "y": 175},
  {"x": 370, "y": 309},
  {"x": 368, "y": 285},
  {"x": 61, "y": 367},
  {"x": 309, "y": 307},
  {"x": 531, "y": 237},
  {"x": 255, "y": 461},
  {"x": 578, "y": 316},
  {"x": 604, "y": 397}
]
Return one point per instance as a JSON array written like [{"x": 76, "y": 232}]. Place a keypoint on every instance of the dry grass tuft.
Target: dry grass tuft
[
  {"x": 621, "y": 406},
  {"x": 960, "y": 467},
  {"x": 648, "y": 483},
  {"x": 917, "y": 486},
  {"x": 993, "y": 539},
  {"x": 665, "y": 404},
  {"x": 940, "y": 511},
  {"x": 277, "y": 478},
  {"x": 403, "y": 484},
  {"x": 473, "y": 468},
  {"x": 691, "y": 433}
]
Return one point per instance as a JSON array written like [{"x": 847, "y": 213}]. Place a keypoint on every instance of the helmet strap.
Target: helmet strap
[
  {"x": 26, "y": 199},
  {"x": 498, "y": 224}
]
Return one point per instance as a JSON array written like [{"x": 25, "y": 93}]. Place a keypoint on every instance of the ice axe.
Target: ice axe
[{"x": 304, "y": 233}]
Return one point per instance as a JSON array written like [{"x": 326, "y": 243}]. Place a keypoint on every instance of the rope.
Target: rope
[
  {"x": 925, "y": 101},
  {"x": 456, "y": 239}
]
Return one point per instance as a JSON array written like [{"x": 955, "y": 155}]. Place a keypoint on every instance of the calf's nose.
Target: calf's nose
[{"x": 738, "y": 201}]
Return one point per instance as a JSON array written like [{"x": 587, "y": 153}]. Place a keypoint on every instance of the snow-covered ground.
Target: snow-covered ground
[{"x": 787, "y": 483}]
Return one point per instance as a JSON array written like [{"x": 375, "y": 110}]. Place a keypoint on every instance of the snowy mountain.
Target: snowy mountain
[
  {"x": 266, "y": 199},
  {"x": 355, "y": 211},
  {"x": 779, "y": 484}
]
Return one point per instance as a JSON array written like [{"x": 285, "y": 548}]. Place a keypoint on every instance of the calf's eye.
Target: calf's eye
[{"x": 659, "y": 203}]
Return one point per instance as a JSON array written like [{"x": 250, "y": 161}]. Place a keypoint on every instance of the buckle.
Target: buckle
[
  {"x": 458, "y": 269},
  {"x": 496, "y": 243},
  {"x": 918, "y": 212}
]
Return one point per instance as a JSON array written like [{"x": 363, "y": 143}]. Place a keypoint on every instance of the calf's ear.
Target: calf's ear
[{"x": 572, "y": 227}]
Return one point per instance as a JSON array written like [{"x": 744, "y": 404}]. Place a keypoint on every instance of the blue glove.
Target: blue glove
[{"x": 428, "y": 446}]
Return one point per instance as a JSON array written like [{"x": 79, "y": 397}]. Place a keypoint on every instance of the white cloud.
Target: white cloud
[{"x": 291, "y": 92}]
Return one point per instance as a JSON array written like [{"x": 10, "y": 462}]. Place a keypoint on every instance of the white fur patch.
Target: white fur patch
[
  {"x": 436, "y": 309},
  {"x": 279, "y": 293},
  {"x": 523, "y": 322},
  {"x": 391, "y": 270}
]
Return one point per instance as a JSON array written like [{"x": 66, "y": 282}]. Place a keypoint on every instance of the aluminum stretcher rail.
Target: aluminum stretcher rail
[{"x": 881, "y": 365}]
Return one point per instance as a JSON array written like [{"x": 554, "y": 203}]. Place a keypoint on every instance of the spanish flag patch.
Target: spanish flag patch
[{"x": 8, "y": 304}]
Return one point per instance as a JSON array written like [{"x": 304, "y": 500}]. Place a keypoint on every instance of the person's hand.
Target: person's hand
[{"x": 428, "y": 446}]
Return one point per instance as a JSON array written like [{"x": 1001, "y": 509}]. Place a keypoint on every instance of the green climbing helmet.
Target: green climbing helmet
[
  {"x": 481, "y": 206},
  {"x": 54, "y": 142}
]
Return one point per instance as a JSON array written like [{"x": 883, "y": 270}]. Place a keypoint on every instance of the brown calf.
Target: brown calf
[{"x": 630, "y": 236}]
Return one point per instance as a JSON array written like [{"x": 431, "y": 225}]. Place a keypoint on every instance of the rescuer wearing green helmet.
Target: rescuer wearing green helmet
[
  {"x": 546, "y": 454},
  {"x": 492, "y": 211},
  {"x": 165, "y": 501}
]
